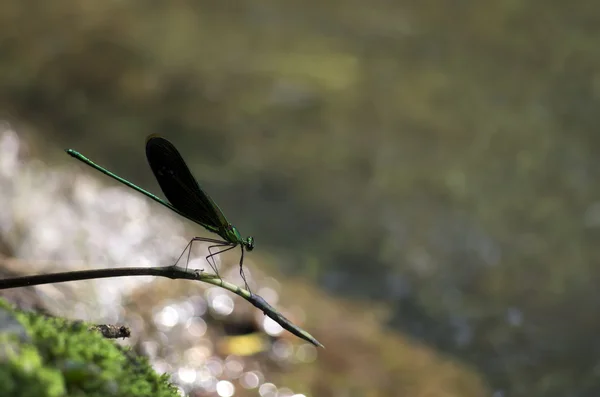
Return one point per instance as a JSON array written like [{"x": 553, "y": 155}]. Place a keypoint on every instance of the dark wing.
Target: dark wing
[{"x": 179, "y": 185}]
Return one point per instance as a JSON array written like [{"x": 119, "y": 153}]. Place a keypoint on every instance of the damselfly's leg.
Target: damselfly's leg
[
  {"x": 242, "y": 269},
  {"x": 213, "y": 264},
  {"x": 189, "y": 246}
]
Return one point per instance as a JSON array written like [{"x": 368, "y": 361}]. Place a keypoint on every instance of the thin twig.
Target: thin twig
[{"x": 172, "y": 272}]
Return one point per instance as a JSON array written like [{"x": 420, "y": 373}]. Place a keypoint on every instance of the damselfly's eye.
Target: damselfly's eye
[{"x": 250, "y": 243}]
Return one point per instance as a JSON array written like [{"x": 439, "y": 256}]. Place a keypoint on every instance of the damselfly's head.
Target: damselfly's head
[{"x": 249, "y": 243}]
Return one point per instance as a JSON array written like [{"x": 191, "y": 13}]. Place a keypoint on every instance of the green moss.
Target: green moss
[
  {"x": 62, "y": 357},
  {"x": 24, "y": 373}
]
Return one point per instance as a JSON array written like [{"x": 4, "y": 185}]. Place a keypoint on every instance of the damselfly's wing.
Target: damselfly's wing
[{"x": 179, "y": 185}]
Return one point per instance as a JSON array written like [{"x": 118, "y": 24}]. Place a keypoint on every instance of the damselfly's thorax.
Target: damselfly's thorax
[{"x": 235, "y": 235}]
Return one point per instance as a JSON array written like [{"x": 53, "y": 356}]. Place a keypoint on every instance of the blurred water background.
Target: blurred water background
[{"x": 420, "y": 178}]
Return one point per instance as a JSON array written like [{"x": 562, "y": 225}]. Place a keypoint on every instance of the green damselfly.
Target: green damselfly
[{"x": 185, "y": 197}]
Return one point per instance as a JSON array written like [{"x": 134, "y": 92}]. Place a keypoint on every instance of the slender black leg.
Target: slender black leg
[
  {"x": 242, "y": 269},
  {"x": 189, "y": 246},
  {"x": 213, "y": 265}
]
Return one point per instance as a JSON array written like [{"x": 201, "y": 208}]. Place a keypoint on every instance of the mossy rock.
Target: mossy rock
[{"x": 50, "y": 356}]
